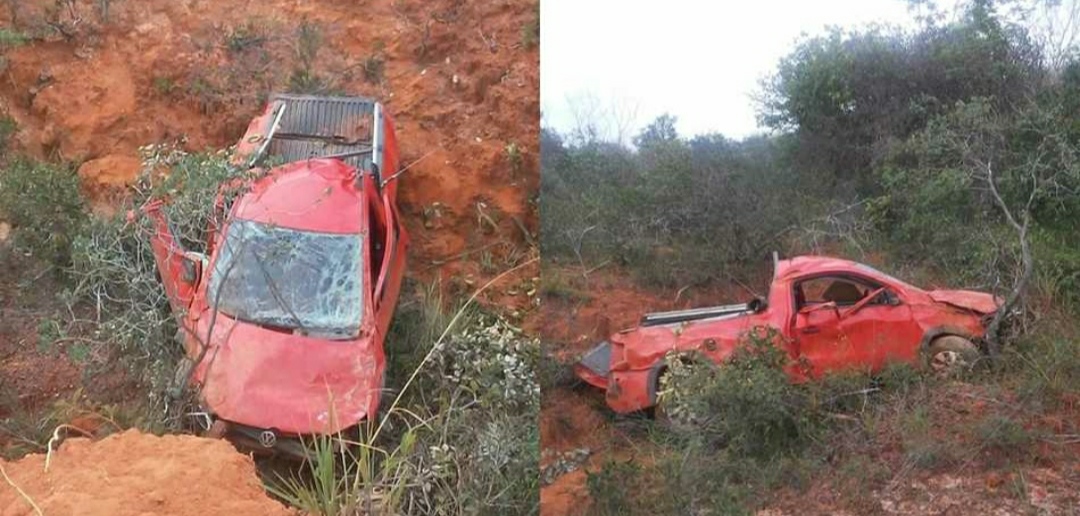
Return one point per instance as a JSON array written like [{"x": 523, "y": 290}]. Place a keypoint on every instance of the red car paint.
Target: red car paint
[
  {"x": 891, "y": 321},
  {"x": 268, "y": 377}
]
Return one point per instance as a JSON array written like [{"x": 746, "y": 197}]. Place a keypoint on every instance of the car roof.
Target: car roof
[
  {"x": 800, "y": 266},
  {"x": 311, "y": 195}
]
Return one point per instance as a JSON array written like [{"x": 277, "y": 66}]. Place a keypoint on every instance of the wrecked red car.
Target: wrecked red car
[
  {"x": 283, "y": 317},
  {"x": 831, "y": 314}
]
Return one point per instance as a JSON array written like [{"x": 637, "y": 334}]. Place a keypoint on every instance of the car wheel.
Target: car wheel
[{"x": 950, "y": 354}]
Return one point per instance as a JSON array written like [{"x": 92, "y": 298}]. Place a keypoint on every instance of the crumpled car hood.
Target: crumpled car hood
[
  {"x": 967, "y": 299},
  {"x": 295, "y": 384}
]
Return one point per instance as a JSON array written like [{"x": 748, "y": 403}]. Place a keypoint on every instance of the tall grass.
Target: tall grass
[{"x": 459, "y": 437}]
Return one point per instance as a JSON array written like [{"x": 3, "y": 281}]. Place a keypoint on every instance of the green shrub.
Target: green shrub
[
  {"x": 485, "y": 374},
  {"x": 1003, "y": 435},
  {"x": 244, "y": 36},
  {"x": 44, "y": 205},
  {"x": 113, "y": 268},
  {"x": 304, "y": 78},
  {"x": 11, "y": 38},
  {"x": 374, "y": 68},
  {"x": 1048, "y": 366},
  {"x": 8, "y": 127},
  {"x": 610, "y": 486},
  {"x": 462, "y": 439},
  {"x": 747, "y": 404}
]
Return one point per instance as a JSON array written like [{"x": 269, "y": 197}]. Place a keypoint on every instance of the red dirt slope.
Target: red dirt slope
[
  {"x": 460, "y": 78},
  {"x": 137, "y": 474}
]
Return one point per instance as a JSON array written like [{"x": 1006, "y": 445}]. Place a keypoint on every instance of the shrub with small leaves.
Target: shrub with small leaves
[
  {"x": 113, "y": 268},
  {"x": 12, "y": 38},
  {"x": 43, "y": 203},
  {"x": 8, "y": 127},
  {"x": 494, "y": 361},
  {"x": 483, "y": 394},
  {"x": 747, "y": 403}
]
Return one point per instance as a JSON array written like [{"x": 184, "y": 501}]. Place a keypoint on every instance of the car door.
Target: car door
[
  {"x": 883, "y": 330},
  {"x": 393, "y": 267},
  {"x": 380, "y": 245},
  {"x": 821, "y": 329},
  {"x": 818, "y": 338}
]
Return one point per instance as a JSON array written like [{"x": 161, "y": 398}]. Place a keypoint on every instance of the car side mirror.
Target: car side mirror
[
  {"x": 757, "y": 305},
  {"x": 193, "y": 265},
  {"x": 891, "y": 298}
]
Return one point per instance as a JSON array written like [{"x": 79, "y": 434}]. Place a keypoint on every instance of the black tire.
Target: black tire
[{"x": 950, "y": 354}]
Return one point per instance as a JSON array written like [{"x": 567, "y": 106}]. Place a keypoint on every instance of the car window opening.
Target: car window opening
[{"x": 831, "y": 289}]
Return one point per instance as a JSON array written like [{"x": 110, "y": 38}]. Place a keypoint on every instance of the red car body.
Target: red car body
[
  {"x": 283, "y": 318},
  {"x": 872, "y": 319}
]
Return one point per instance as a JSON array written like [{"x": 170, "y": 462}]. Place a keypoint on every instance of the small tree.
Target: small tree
[{"x": 1020, "y": 162}]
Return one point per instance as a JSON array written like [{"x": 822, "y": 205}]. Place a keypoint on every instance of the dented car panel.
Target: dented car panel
[
  {"x": 284, "y": 320},
  {"x": 857, "y": 318},
  {"x": 980, "y": 302}
]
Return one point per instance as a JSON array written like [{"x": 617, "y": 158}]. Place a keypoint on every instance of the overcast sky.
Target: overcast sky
[{"x": 628, "y": 61}]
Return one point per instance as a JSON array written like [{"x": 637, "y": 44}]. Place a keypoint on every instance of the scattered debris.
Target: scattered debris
[{"x": 563, "y": 463}]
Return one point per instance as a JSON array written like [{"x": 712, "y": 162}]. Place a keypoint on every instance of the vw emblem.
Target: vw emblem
[{"x": 267, "y": 439}]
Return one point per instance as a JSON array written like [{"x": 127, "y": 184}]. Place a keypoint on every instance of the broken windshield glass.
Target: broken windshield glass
[{"x": 292, "y": 279}]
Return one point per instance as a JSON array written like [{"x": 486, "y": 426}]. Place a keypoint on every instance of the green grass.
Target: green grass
[
  {"x": 457, "y": 434},
  {"x": 43, "y": 203},
  {"x": 8, "y": 128},
  {"x": 10, "y": 38}
]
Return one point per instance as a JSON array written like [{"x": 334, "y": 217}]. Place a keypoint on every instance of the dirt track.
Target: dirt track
[{"x": 461, "y": 80}]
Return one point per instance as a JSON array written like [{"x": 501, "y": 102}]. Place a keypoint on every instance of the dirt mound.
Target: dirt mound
[
  {"x": 581, "y": 310},
  {"x": 133, "y": 474}
]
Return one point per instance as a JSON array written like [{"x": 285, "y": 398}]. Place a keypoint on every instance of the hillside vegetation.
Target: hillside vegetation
[{"x": 947, "y": 155}]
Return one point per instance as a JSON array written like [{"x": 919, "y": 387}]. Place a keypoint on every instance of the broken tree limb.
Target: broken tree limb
[{"x": 993, "y": 330}]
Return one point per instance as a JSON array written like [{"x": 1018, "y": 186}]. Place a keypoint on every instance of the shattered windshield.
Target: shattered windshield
[{"x": 292, "y": 279}]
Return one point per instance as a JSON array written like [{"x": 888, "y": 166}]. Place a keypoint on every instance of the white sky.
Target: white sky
[{"x": 700, "y": 60}]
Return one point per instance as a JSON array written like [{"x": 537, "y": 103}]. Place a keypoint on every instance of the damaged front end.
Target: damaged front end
[{"x": 268, "y": 442}]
